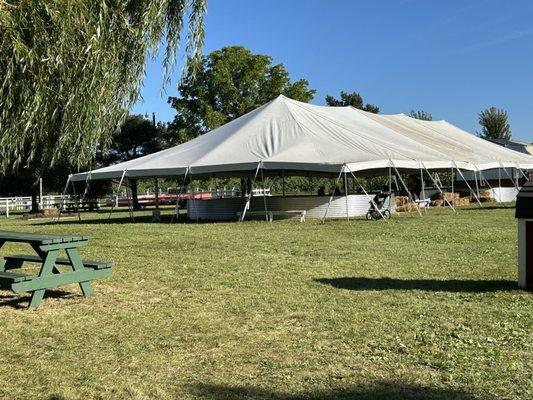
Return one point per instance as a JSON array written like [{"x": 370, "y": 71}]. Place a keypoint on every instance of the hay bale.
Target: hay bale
[
  {"x": 436, "y": 203},
  {"x": 50, "y": 212},
  {"x": 401, "y": 200},
  {"x": 406, "y": 208}
]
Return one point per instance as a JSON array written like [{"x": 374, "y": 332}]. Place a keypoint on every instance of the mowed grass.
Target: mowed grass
[{"x": 415, "y": 309}]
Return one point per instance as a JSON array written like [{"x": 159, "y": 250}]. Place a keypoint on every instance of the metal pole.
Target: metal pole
[
  {"x": 346, "y": 194},
  {"x": 369, "y": 197},
  {"x": 332, "y": 194},
  {"x": 247, "y": 205},
  {"x": 438, "y": 187},
  {"x": 510, "y": 177},
  {"x": 178, "y": 190},
  {"x": 453, "y": 186},
  {"x": 405, "y": 187},
  {"x": 118, "y": 190},
  {"x": 264, "y": 194},
  {"x": 467, "y": 184},
  {"x": 488, "y": 184},
  {"x": 76, "y": 200},
  {"x": 283, "y": 182},
  {"x": 477, "y": 185},
  {"x": 522, "y": 172},
  {"x": 423, "y": 187}
]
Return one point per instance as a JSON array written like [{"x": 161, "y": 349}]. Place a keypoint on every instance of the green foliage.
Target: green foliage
[
  {"x": 494, "y": 124},
  {"x": 70, "y": 69},
  {"x": 422, "y": 115},
  {"x": 353, "y": 99},
  {"x": 229, "y": 83},
  {"x": 137, "y": 137}
]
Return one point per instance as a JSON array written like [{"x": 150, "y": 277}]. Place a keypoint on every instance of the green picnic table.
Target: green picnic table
[{"x": 47, "y": 248}]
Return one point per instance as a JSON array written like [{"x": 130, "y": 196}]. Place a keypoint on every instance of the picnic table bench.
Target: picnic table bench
[
  {"x": 47, "y": 248},
  {"x": 74, "y": 206}
]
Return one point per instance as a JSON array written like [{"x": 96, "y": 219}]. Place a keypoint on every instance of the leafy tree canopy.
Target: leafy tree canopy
[
  {"x": 71, "y": 68},
  {"x": 229, "y": 83},
  {"x": 494, "y": 124},
  {"x": 137, "y": 137},
  {"x": 353, "y": 99},
  {"x": 422, "y": 115}
]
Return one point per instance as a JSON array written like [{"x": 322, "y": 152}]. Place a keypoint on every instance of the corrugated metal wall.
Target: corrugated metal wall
[{"x": 315, "y": 206}]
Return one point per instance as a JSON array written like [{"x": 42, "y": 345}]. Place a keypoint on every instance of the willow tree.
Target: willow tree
[{"x": 71, "y": 70}]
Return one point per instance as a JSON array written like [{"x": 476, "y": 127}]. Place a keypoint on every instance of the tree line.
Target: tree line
[{"x": 221, "y": 86}]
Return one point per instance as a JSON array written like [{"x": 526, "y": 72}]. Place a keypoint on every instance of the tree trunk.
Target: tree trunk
[
  {"x": 134, "y": 197},
  {"x": 35, "y": 199}
]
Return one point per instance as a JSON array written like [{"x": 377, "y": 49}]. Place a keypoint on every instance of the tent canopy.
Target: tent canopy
[{"x": 294, "y": 137}]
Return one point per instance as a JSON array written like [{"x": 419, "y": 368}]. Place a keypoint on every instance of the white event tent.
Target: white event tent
[{"x": 303, "y": 139}]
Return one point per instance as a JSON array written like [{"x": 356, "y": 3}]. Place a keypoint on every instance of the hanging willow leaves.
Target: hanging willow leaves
[{"x": 71, "y": 69}]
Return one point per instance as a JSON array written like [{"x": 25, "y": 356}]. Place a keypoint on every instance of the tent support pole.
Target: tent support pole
[
  {"x": 438, "y": 187},
  {"x": 453, "y": 186},
  {"x": 406, "y": 189},
  {"x": 467, "y": 184},
  {"x": 346, "y": 195},
  {"x": 283, "y": 182},
  {"x": 522, "y": 172},
  {"x": 156, "y": 217},
  {"x": 369, "y": 197},
  {"x": 488, "y": 184},
  {"x": 118, "y": 190},
  {"x": 264, "y": 194},
  {"x": 423, "y": 187},
  {"x": 130, "y": 203},
  {"x": 510, "y": 177},
  {"x": 63, "y": 196},
  {"x": 249, "y": 197},
  {"x": 477, "y": 185},
  {"x": 178, "y": 190},
  {"x": 76, "y": 200},
  {"x": 331, "y": 197}
]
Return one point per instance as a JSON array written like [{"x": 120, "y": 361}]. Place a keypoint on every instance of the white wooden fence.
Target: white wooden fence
[{"x": 23, "y": 203}]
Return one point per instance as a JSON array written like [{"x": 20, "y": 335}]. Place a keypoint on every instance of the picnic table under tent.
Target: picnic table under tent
[{"x": 289, "y": 138}]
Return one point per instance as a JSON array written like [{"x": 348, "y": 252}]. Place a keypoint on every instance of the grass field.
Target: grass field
[{"x": 415, "y": 309}]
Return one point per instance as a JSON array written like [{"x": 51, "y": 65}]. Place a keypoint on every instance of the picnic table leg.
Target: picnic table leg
[
  {"x": 77, "y": 265},
  {"x": 2, "y": 261},
  {"x": 46, "y": 269}
]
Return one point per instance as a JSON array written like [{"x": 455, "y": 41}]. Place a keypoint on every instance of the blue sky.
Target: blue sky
[{"x": 450, "y": 58}]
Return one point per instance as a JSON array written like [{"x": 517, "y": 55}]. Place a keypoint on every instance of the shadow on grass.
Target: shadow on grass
[
  {"x": 488, "y": 208},
  {"x": 142, "y": 219},
  {"x": 379, "y": 391},
  {"x": 16, "y": 301},
  {"x": 430, "y": 285}
]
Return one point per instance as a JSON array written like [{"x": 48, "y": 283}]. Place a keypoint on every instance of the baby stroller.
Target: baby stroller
[{"x": 379, "y": 200}]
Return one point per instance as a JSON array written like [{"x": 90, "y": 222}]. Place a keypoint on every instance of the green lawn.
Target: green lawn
[{"x": 415, "y": 309}]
